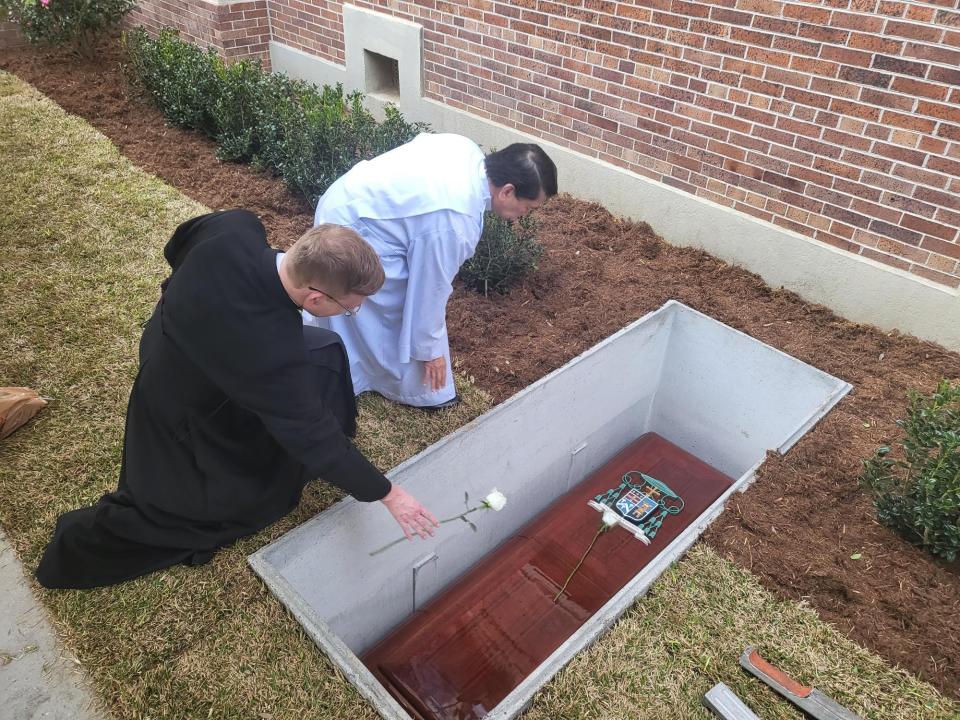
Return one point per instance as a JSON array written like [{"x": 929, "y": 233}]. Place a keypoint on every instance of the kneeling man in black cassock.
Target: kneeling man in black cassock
[{"x": 223, "y": 424}]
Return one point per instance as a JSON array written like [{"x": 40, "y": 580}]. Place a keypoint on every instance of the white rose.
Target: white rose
[
  {"x": 610, "y": 518},
  {"x": 495, "y": 500}
]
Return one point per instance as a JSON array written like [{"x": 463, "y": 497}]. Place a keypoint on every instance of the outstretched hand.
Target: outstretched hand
[
  {"x": 412, "y": 517},
  {"x": 435, "y": 373}
]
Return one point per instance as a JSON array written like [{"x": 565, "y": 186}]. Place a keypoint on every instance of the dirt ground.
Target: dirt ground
[{"x": 797, "y": 527}]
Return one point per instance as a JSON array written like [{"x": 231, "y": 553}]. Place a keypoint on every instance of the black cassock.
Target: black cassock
[{"x": 231, "y": 414}]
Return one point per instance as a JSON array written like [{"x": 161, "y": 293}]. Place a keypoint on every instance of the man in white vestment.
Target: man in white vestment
[{"x": 421, "y": 207}]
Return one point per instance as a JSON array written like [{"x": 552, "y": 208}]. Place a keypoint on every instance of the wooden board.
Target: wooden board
[{"x": 459, "y": 656}]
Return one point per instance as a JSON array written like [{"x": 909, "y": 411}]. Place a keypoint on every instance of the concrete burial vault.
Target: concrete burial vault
[{"x": 715, "y": 392}]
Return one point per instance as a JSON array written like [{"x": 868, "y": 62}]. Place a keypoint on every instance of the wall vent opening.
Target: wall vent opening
[{"x": 381, "y": 76}]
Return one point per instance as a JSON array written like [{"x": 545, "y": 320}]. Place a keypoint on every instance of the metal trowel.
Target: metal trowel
[{"x": 813, "y": 702}]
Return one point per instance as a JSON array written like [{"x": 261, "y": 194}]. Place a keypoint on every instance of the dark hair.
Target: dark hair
[{"x": 525, "y": 166}]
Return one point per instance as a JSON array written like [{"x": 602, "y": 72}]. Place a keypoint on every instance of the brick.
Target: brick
[
  {"x": 933, "y": 53},
  {"x": 674, "y": 21},
  {"x": 835, "y": 88},
  {"x": 836, "y": 241},
  {"x": 889, "y": 183},
  {"x": 913, "y": 31},
  {"x": 751, "y": 37},
  {"x": 944, "y": 165},
  {"x": 902, "y": 234},
  {"x": 750, "y": 143},
  {"x": 951, "y": 132},
  {"x": 802, "y": 201},
  {"x": 885, "y": 259},
  {"x": 768, "y": 57},
  {"x": 886, "y": 214},
  {"x": 943, "y": 279},
  {"x": 846, "y": 56},
  {"x": 950, "y": 249},
  {"x": 765, "y": 7},
  {"x": 731, "y": 123},
  {"x": 768, "y": 162},
  {"x": 826, "y": 120},
  {"x": 790, "y": 155},
  {"x": 855, "y": 109},
  {"x": 742, "y": 67},
  {"x": 887, "y": 100},
  {"x": 908, "y": 204},
  {"x": 902, "y": 154},
  {"x": 948, "y": 217},
  {"x": 759, "y": 86},
  {"x": 775, "y": 25},
  {"x": 756, "y": 212},
  {"x": 803, "y": 97},
  {"x": 857, "y": 189},
  {"x": 908, "y": 122},
  {"x": 875, "y": 43},
  {"x": 772, "y": 135},
  {"x": 928, "y": 227},
  {"x": 786, "y": 77},
  {"x": 865, "y": 77},
  {"x": 866, "y": 161},
  {"x": 934, "y": 180},
  {"x": 941, "y": 263},
  {"x": 730, "y": 17},
  {"x": 951, "y": 76},
  {"x": 899, "y": 65},
  {"x": 824, "y": 34},
  {"x": 948, "y": 19},
  {"x": 841, "y": 229},
  {"x": 742, "y": 168},
  {"x": 845, "y": 216},
  {"x": 783, "y": 181},
  {"x": 851, "y": 21},
  {"x": 944, "y": 112},
  {"x": 917, "y": 87},
  {"x": 796, "y": 46},
  {"x": 812, "y": 66},
  {"x": 725, "y": 48},
  {"x": 891, "y": 8},
  {"x": 902, "y": 250},
  {"x": 818, "y": 148},
  {"x": 807, "y": 13},
  {"x": 798, "y": 128},
  {"x": 847, "y": 140}
]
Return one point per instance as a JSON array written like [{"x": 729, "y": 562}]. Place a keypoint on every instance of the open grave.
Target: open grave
[{"x": 662, "y": 421}]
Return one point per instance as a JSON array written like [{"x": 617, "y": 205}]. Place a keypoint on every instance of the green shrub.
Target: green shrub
[
  {"x": 237, "y": 108},
  {"x": 66, "y": 22},
  {"x": 309, "y": 136},
  {"x": 917, "y": 487},
  {"x": 506, "y": 252},
  {"x": 179, "y": 78}
]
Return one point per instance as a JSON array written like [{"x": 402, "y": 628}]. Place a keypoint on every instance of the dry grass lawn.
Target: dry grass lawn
[{"x": 81, "y": 235}]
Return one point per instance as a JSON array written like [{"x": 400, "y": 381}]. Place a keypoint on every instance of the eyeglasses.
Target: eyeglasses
[{"x": 349, "y": 312}]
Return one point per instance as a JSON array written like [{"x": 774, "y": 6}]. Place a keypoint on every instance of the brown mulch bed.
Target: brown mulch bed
[{"x": 798, "y": 525}]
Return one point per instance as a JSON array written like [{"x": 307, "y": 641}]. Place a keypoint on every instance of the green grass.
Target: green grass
[{"x": 81, "y": 235}]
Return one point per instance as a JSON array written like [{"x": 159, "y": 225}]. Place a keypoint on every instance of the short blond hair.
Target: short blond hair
[{"x": 335, "y": 259}]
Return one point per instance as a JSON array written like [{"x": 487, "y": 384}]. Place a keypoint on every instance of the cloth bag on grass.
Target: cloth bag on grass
[{"x": 17, "y": 406}]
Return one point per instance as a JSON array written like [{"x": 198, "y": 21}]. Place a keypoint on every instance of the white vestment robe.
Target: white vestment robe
[{"x": 420, "y": 206}]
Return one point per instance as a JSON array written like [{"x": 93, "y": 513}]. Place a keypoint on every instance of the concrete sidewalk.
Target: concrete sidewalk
[{"x": 39, "y": 678}]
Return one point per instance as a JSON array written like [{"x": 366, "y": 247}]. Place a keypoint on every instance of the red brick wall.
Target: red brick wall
[
  {"x": 313, "y": 26},
  {"x": 237, "y": 30},
  {"x": 839, "y": 119}
]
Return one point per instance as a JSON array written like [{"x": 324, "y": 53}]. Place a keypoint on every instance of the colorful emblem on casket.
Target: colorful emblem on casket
[
  {"x": 635, "y": 506},
  {"x": 642, "y": 502}
]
